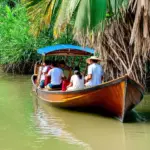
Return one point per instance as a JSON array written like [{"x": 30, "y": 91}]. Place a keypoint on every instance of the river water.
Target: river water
[{"x": 27, "y": 123}]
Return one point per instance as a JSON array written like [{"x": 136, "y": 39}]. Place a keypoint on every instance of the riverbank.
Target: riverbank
[{"x": 21, "y": 68}]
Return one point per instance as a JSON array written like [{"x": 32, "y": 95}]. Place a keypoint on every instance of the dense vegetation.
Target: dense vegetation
[
  {"x": 18, "y": 45},
  {"x": 17, "y": 48}
]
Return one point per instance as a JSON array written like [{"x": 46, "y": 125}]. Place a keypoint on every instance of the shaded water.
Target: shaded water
[{"x": 27, "y": 123}]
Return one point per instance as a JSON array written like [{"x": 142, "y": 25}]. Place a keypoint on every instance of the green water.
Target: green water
[{"x": 30, "y": 124}]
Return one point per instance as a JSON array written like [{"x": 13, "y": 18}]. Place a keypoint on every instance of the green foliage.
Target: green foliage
[
  {"x": 40, "y": 13},
  {"x": 90, "y": 14},
  {"x": 87, "y": 15},
  {"x": 14, "y": 35},
  {"x": 17, "y": 45}
]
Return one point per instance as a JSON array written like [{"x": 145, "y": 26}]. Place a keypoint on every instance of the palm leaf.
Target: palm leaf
[
  {"x": 40, "y": 13},
  {"x": 90, "y": 14},
  {"x": 65, "y": 13},
  {"x": 83, "y": 16},
  {"x": 48, "y": 13},
  {"x": 98, "y": 12}
]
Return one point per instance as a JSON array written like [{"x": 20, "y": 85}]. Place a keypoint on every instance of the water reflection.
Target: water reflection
[
  {"x": 67, "y": 125},
  {"x": 51, "y": 125}
]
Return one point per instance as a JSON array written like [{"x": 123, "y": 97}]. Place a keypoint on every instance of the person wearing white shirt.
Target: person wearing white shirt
[
  {"x": 44, "y": 70},
  {"x": 56, "y": 74},
  {"x": 95, "y": 72},
  {"x": 77, "y": 80}
]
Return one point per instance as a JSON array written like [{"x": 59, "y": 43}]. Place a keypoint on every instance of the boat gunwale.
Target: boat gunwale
[{"x": 103, "y": 85}]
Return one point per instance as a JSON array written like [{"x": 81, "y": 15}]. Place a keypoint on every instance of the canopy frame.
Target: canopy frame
[{"x": 65, "y": 50}]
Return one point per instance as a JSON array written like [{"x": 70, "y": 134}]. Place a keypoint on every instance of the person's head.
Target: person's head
[
  {"x": 77, "y": 72},
  {"x": 62, "y": 64},
  {"x": 53, "y": 64},
  {"x": 38, "y": 63},
  {"x": 47, "y": 62},
  {"x": 76, "y": 68},
  {"x": 92, "y": 59}
]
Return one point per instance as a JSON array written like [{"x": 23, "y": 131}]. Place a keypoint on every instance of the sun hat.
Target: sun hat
[{"x": 92, "y": 58}]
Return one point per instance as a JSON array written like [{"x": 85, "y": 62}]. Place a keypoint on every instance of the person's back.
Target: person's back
[
  {"x": 97, "y": 73},
  {"x": 56, "y": 76},
  {"x": 78, "y": 83},
  {"x": 77, "y": 80}
]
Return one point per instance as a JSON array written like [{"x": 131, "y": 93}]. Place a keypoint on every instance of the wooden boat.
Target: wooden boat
[{"x": 117, "y": 96}]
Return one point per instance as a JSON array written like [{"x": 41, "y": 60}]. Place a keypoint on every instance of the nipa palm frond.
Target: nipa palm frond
[
  {"x": 40, "y": 14},
  {"x": 64, "y": 15}
]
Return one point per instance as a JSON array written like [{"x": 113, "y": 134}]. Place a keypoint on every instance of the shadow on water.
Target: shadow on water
[
  {"x": 50, "y": 123},
  {"x": 134, "y": 116},
  {"x": 95, "y": 112},
  {"x": 131, "y": 117}
]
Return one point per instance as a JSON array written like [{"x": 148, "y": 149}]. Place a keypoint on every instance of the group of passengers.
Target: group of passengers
[{"x": 60, "y": 72}]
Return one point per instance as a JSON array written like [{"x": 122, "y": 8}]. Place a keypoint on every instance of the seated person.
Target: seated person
[
  {"x": 95, "y": 72},
  {"x": 46, "y": 66},
  {"x": 56, "y": 75},
  {"x": 77, "y": 80},
  {"x": 66, "y": 69}
]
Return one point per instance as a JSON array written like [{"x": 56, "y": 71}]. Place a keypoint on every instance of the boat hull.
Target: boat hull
[{"x": 116, "y": 97}]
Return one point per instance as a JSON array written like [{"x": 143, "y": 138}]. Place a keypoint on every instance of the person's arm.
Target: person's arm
[
  {"x": 70, "y": 73},
  {"x": 62, "y": 75},
  {"x": 49, "y": 73},
  {"x": 89, "y": 76},
  {"x": 71, "y": 82}
]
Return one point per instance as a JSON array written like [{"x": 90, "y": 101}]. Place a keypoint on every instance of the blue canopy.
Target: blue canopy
[{"x": 65, "y": 49}]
